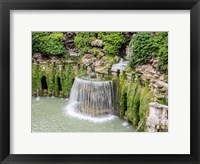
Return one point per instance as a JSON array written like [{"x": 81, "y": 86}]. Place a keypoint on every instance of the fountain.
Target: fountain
[
  {"x": 119, "y": 66},
  {"x": 91, "y": 96}
]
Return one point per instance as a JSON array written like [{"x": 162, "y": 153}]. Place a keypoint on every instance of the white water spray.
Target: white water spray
[{"x": 89, "y": 98}]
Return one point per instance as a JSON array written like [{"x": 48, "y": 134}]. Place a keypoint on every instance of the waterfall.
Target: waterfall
[
  {"x": 52, "y": 96},
  {"x": 119, "y": 66},
  {"x": 92, "y": 97},
  {"x": 37, "y": 98}
]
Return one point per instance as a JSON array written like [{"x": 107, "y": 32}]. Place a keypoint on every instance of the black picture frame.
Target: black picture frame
[{"x": 7, "y": 5}]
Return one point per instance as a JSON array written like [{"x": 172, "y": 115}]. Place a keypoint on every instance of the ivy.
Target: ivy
[
  {"x": 49, "y": 78},
  {"x": 145, "y": 98},
  {"x": 57, "y": 74},
  {"x": 123, "y": 96},
  {"x": 133, "y": 100},
  {"x": 36, "y": 76},
  {"x": 67, "y": 79}
]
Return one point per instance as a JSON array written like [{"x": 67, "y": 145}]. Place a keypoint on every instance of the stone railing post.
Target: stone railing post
[{"x": 158, "y": 117}]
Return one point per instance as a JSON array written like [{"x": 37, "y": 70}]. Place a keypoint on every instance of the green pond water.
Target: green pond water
[{"x": 52, "y": 115}]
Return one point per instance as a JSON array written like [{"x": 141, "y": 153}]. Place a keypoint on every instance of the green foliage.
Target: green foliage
[
  {"x": 49, "y": 78},
  {"x": 95, "y": 51},
  {"x": 162, "y": 50},
  {"x": 133, "y": 102},
  {"x": 67, "y": 79},
  {"x": 123, "y": 96},
  {"x": 123, "y": 101},
  {"x": 163, "y": 101},
  {"x": 82, "y": 40},
  {"x": 145, "y": 44},
  {"x": 142, "y": 47},
  {"x": 49, "y": 43},
  {"x": 36, "y": 77},
  {"x": 81, "y": 71},
  {"x": 112, "y": 41},
  {"x": 57, "y": 74},
  {"x": 145, "y": 98}
]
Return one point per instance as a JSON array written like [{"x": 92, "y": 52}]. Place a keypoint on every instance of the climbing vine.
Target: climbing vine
[
  {"x": 36, "y": 77},
  {"x": 134, "y": 102},
  {"x": 49, "y": 78},
  {"x": 66, "y": 76},
  {"x": 67, "y": 79},
  {"x": 145, "y": 98},
  {"x": 123, "y": 96}
]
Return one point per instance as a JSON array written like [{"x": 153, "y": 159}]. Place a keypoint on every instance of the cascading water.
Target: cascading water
[
  {"x": 119, "y": 66},
  {"x": 91, "y": 97},
  {"x": 37, "y": 98},
  {"x": 52, "y": 96}
]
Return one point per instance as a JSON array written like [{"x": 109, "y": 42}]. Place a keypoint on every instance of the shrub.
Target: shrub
[
  {"x": 142, "y": 48},
  {"x": 82, "y": 40},
  {"x": 112, "y": 41},
  {"x": 50, "y": 43},
  {"x": 145, "y": 44},
  {"x": 161, "y": 39}
]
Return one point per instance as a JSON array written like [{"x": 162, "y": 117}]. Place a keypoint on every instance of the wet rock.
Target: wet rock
[
  {"x": 98, "y": 63},
  {"x": 97, "y": 43},
  {"x": 88, "y": 59},
  {"x": 37, "y": 55},
  {"x": 160, "y": 84}
]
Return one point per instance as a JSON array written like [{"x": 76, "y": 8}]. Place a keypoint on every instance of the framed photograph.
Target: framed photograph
[{"x": 113, "y": 81}]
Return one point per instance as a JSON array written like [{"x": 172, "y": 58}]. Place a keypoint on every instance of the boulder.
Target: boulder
[{"x": 97, "y": 43}]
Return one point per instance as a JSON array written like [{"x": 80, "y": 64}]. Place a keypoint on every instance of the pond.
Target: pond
[{"x": 52, "y": 115}]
